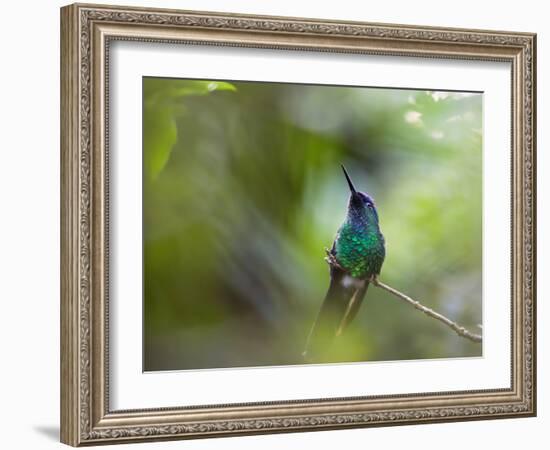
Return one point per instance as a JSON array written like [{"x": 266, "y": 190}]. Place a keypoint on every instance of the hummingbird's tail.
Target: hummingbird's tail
[{"x": 343, "y": 299}]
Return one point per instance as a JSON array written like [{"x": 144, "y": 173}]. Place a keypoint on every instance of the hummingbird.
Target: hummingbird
[{"x": 355, "y": 260}]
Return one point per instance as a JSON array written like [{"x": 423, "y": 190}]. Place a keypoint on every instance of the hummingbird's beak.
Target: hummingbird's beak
[{"x": 350, "y": 184}]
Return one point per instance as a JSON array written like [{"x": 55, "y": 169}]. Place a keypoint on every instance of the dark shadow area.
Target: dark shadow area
[{"x": 49, "y": 431}]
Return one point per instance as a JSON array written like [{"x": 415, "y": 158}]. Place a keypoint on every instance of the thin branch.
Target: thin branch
[{"x": 460, "y": 330}]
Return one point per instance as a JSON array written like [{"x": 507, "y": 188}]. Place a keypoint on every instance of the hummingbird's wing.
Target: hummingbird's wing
[
  {"x": 353, "y": 307},
  {"x": 342, "y": 301}
]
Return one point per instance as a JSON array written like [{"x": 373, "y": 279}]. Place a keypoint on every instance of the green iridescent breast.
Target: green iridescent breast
[{"x": 359, "y": 249}]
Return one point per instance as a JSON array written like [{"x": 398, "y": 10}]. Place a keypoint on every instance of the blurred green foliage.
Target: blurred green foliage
[
  {"x": 243, "y": 191},
  {"x": 162, "y": 105}
]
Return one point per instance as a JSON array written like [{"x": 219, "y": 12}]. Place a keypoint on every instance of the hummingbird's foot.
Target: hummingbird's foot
[
  {"x": 374, "y": 280},
  {"x": 331, "y": 259}
]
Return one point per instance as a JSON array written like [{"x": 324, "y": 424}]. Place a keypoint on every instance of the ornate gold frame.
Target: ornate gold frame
[{"x": 86, "y": 31}]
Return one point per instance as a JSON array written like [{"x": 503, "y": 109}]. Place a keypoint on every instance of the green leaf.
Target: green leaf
[
  {"x": 161, "y": 104},
  {"x": 159, "y": 136}
]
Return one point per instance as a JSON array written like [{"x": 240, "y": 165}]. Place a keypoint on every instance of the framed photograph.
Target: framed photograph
[{"x": 275, "y": 224}]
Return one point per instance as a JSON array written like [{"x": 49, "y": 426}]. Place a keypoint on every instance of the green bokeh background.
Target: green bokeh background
[{"x": 243, "y": 191}]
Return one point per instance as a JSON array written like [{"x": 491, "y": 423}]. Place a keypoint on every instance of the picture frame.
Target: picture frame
[{"x": 87, "y": 33}]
